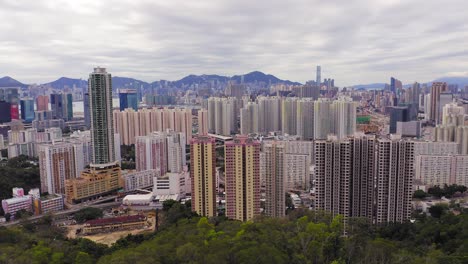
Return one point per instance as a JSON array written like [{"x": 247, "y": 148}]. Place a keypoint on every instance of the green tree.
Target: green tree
[
  {"x": 419, "y": 194},
  {"x": 88, "y": 213},
  {"x": 83, "y": 258},
  {"x": 438, "y": 210}
]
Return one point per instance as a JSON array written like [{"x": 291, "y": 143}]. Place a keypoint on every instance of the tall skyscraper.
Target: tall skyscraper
[
  {"x": 42, "y": 102},
  {"x": 305, "y": 118},
  {"x": 269, "y": 114},
  {"x": 395, "y": 173},
  {"x": 334, "y": 117},
  {"x": 104, "y": 174},
  {"x": 395, "y": 85},
  {"x": 62, "y": 106},
  {"x": 344, "y": 117},
  {"x": 323, "y": 119},
  {"x": 249, "y": 119},
  {"x": 5, "y": 115},
  {"x": 344, "y": 172},
  {"x": 102, "y": 127},
  {"x": 453, "y": 114},
  {"x": 202, "y": 174},
  {"x": 27, "y": 109},
  {"x": 272, "y": 171},
  {"x": 319, "y": 76},
  {"x": 87, "y": 114},
  {"x": 436, "y": 108},
  {"x": 202, "y": 122},
  {"x": 289, "y": 116},
  {"x": 398, "y": 114},
  {"x": 222, "y": 115},
  {"x": 242, "y": 173},
  {"x": 128, "y": 99}
]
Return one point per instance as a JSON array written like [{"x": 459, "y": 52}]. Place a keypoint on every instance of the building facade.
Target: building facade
[
  {"x": 202, "y": 174},
  {"x": 242, "y": 163}
]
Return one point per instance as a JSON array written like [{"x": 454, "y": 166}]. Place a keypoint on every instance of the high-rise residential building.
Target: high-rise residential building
[
  {"x": 394, "y": 179},
  {"x": 269, "y": 114},
  {"x": 289, "y": 116},
  {"x": 242, "y": 162},
  {"x": 334, "y": 117},
  {"x": 104, "y": 174},
  {"x": 202, "y": 122},
  {"x": 130, "y": 123},
  {"x": 272, "y": 171},
  {"x": 42, "y": 103},
  {"x": 323, "y": 119},
  {"x": 222, "y": 115},
  {"x": 453, "y": 128},
  {"x": 27, "y": 109},
  {"x": 162, "y": 151},
  {"x": 344, "y": 115},
  {"x": 344, "y": 171},
  {"x": 249, "y": 121},
  {"x": 176, "y": 155},
  {"x": 453, "y": 115},
  {"x": 308, "y": 91},
  {"x": 366, "y": 177},
  {"x": 436, "y": 109},
  {"x": 56, "y": 164},
  {"x": 441, "y": 169},
  {"x": 305, "y": 118},
  {"x": 235, "y": 90},
  {"x": 87, "y": 114},
  {"x": 128, "y": 99},
  {"x": 102, "y": 128},
  {"x": 202, "y": 175}
]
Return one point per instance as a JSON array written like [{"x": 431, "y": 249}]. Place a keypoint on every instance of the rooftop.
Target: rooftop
[{"x": 115, "y": 220}]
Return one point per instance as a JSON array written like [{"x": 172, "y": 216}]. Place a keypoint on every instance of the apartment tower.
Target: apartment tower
[
  {"x": 202, "y": 174},
  {"x": 242, "y": 162}
]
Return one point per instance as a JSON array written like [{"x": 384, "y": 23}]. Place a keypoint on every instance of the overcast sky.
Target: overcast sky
[{"x": 355, "y": 41}]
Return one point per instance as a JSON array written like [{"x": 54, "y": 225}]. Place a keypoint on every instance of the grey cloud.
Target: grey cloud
[{"x": 355, "y": 41}]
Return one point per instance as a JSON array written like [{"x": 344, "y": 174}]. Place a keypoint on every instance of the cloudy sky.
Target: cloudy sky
[{"x": 355, "y": 41}]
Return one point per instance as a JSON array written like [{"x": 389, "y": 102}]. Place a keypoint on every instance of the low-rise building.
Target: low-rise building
[
  {"x": 94, "y": 182},
  {"x": 20, "y": 201},
  {"x": 114, "y": 224},
  {"x": 139, "y": 179}
]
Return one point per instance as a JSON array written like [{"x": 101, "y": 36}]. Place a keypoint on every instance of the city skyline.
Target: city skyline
[{"x": 159, "y": 40}]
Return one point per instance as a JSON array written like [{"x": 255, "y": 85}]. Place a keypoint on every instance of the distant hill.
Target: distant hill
[
  {"x": 63, "y": 82},
  {"x": 117, "y": 82},
  {"x": 125, "y": 82},
  {"x": 257, "y": 76},
  {"x": 252, "y": 77},
  {"x": 10, "y": 82},
  {"x": 460, "y": 81},
  {"x": 197, "y": 79},
  {"x": 371, "y": 86}
]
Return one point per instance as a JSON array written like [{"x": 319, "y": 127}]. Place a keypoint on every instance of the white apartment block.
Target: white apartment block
[{"x": 139, "y": 179}]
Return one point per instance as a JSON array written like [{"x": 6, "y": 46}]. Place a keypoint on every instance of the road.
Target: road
[{"x": 74, "y": 209}]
